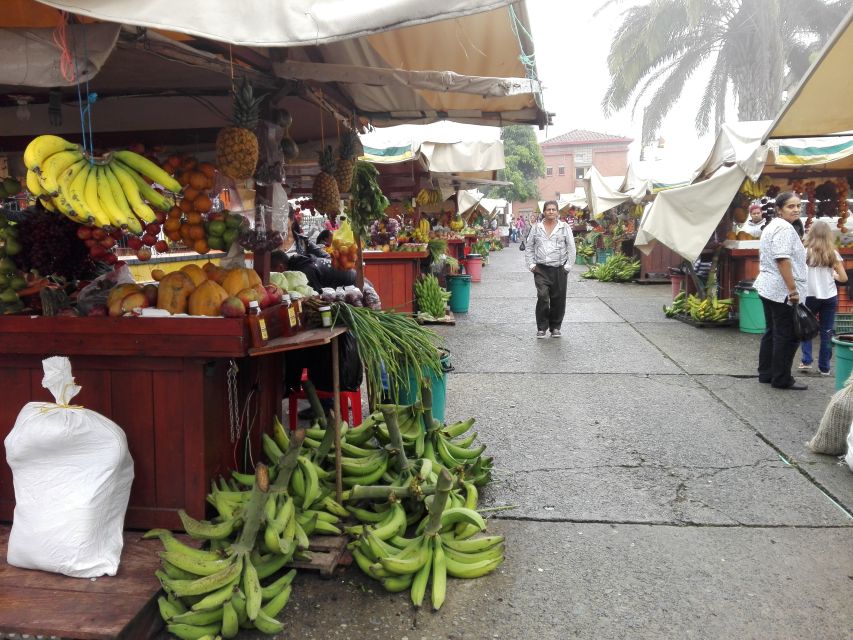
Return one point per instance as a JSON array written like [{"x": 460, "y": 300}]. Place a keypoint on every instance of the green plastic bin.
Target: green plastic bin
[
  {"x": 843, "y": 348},
  {"x": 460, "y": 292},
  {"x": 409, "y": 394},
  {"x": 750, "y": 309}
]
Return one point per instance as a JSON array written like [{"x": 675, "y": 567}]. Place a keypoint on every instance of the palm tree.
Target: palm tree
[{"x": 759, "y": 48}]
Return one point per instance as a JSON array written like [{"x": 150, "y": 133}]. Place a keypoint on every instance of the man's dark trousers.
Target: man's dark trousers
[{"x": 550, "y": 296}]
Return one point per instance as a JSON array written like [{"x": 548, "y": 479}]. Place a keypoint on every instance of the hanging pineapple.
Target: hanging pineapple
[
  {"x": 237, "y": 146},
  {"x": 325, "y": 190},
  {"x": 345, "y": 164}
]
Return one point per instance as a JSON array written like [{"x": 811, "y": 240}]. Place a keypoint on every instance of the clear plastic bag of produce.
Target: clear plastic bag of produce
[
  {"x": 72, "y": 474},
  {"x": 353, "y": 296},
  {"x": 93, "y": 297}
]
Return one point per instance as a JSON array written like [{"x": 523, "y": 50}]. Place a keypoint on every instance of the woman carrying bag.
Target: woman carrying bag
[
  {"x": 825, "y": 269},
  {"x": 781, "y": 283}
]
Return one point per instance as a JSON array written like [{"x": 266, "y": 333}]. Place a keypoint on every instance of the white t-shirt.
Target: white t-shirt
[{"x": 821, "y": 281}]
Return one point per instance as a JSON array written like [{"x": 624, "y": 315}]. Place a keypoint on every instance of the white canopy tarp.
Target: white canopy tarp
[
  {"x": 685, "y": 217},
  {"x": 739, "y": 143},
  {"x": 821, "y": 103},
  {"x": 603, "y": 194},
  {"x": 273, "y": 23},
  {"x": 444, "y": 147}
]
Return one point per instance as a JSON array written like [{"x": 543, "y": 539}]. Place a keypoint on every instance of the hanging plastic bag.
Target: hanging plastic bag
[
  {"x": 806, "y": 325},
  {"x": 72, "y": 473},
  {"x": 343, "y": 235}
]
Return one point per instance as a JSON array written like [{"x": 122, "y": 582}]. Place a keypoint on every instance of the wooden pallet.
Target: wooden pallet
[
  {"x": 326, "y": 553},
  {"x": 449, "y": 319},
  {"x": 120, "y": 607},
  {"x": 699, "y": 324}
]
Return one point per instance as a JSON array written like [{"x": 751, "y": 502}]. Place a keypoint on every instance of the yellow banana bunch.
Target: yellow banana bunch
[
  {"x": 755, "y": 190},
  {"x": 108, "y": 192},
  {"x": 708, "y": 309},
  {"x": 428, "y": 196}
]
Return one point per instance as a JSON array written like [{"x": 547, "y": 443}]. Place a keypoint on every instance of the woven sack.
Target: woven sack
[{"x": 831, "y": 436}]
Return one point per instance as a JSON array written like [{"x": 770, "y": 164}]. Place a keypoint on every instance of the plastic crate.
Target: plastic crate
[{"x": 843, "y": 323}]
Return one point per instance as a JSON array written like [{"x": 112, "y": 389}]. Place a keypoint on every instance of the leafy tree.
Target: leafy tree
[
  {"x": 759, "y": 48},
  {"x": 524, "y": 164}
]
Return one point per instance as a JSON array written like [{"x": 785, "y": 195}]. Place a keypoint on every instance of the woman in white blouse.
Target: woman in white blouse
[
  {"x": 825, "y": 269},
  {"x": 781, "y": 282}
]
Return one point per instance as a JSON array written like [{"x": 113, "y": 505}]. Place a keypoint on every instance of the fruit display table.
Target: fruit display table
[
  {"x": 743, "y": 265},
  {"x": 166, "y": 382},
  {"x": 393, "y": 275}
]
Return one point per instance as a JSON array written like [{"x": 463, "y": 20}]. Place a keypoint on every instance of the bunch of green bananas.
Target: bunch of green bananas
[
  {"x": 436, "y": 551},
  {"x": 108, "y": 192},
  {"x": 678, "y": 307},
  {"x": 617, "y": 268},
  {"x": 431, "y": 298},
  {"x": 708, "y": 309}
]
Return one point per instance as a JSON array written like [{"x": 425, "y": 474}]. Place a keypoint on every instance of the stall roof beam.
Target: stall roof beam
[{"x": 447, "y": 81}]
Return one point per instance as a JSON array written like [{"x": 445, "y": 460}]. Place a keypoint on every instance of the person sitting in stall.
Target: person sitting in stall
[
  {"x": 756, "y": 222},
  {"x": 319, "y": 273},
  {"x": 297, "y": 243},
  {"x": 324, "y": 238}
]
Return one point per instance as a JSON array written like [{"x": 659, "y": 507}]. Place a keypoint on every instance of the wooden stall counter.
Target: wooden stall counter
[{"x": 393, "y": 275}]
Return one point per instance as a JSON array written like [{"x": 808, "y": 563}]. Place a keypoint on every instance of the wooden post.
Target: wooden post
[{"x": 359, "y": 264}]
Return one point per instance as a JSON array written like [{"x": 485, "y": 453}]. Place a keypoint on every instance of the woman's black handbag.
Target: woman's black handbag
[{"x": 806, "y": 325}]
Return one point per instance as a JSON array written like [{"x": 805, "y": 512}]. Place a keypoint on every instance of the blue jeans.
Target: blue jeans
[{"x": 824, "y": 309}]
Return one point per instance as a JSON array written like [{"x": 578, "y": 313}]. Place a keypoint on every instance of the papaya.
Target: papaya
[
  {"x": 174, "y": 291},
  {"x": 120, "y": 291},
  {"x": 240, "y": 278},
  {"x": 207, "y": 299},
  {"x": 195, "y": 272}
]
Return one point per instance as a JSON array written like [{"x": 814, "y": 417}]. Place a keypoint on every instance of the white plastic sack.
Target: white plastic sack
[
  {"x": 72, "y": 473},
  {"x": 849, "y": 457}
]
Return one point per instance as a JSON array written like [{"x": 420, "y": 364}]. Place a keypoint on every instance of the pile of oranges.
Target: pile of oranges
[{"x": 185, "y": 221}]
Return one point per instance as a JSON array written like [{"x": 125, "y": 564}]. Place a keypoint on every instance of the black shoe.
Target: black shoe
[
  {"x": 764, "y": 381},
  {"x": 796, "y": 386}
]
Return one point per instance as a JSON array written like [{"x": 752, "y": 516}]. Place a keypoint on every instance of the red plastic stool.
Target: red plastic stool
[{"x": 350, "y": 403}]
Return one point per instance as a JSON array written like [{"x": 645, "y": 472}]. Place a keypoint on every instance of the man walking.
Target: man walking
[{"x": 550, "y": 253}]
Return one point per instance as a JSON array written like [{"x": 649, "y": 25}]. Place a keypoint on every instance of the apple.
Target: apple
[
  {"x": 98, "y": 233},
  {"x": 153, "y": 228},
  {"x": 248, "y": 295},
  {"x": 97, "y": 252},
  {"x": 90, "y": 242},
  {"x": 161, "y": 246},
  {"x": 148, "y": 240},
  {"x": 150, "y": 291},
  {"x": 110, "y": 258},
  {"x": 108, "y": 243},
  {"x": 134, "y": 243},
  {"x": 232, "y": 307},
  {"x": 84, "y": 232},
  {"x": 273, "y": 295},
  {"x": 161, "y": 216},
  {"x": 118, "y": 234},
  {"x": 144, "y": 254}
]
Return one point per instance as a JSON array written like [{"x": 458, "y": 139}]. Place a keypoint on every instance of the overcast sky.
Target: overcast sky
[{"x": 571, "y": 58}]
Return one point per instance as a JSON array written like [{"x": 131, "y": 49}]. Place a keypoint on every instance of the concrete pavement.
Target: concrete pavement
[{"x": 659, "y": 490}]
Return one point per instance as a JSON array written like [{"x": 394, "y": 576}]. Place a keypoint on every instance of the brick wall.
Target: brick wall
[{"x": 611, "y": 163}]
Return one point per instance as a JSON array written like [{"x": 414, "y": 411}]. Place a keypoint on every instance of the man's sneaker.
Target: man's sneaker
[
  {"x": 825, "y": 373},
  {"x": 555, "y": 333},
  {"x": 540, "y": 334}
]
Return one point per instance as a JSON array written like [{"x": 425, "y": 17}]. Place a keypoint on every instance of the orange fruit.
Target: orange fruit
[
  {"x": 172, "y": 224},
  {"x": 175, "y": 212},
  {"x": 198, "y": 180},
  {"x": 196, "y": 232},
  {"x": 209, "y": 185},
  {"x": 174, "y": 236},
  {"x": 186, "y": 205},
  {"x": 191, "y": 194},
  {"x": 189, "y": 163},
  {"x": 207, "y": 169},
  {"x": 202, "y": 204},
  {"x": 184, "y": 232},
  {"x": 194, "y": 217},
  {"x": 184, "y": 179},
  {"x": 200, "y": 246}
]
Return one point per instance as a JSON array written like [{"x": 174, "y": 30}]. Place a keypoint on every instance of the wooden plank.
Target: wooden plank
[
  {"x": 301, "y": 340},
  {"x": 120, "y": 607},
  {"x": 132, "y": 408}
]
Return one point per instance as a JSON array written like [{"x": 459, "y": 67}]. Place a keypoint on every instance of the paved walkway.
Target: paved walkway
[{"x": 660, "y": 491}]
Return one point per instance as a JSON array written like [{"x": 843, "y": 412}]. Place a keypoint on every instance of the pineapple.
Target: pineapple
[
  {"x": 325, "y": 190},
  {"x": 237, "y": 146},
  {"x": 347, "y": 154}
]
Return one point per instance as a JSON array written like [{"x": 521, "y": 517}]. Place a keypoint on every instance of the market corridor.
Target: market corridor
[{"x": 658, "y": 490}]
